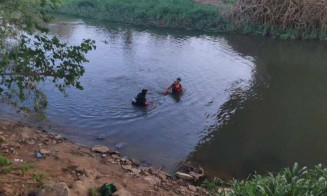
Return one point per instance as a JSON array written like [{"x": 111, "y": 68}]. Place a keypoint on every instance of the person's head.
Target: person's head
[
  {"x": 178, "y": 80},
  {"x": 144, "y": 91}
]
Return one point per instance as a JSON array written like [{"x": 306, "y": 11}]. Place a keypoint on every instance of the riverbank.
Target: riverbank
[
  {"x": 72, "y": 169},
  {"x": 183, "y": 14},
  {"x": 215, "y": 16}
]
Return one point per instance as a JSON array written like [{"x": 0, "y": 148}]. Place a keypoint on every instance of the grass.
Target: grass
[
  {"x": 5, "y": 170},
  {"x": 7, "y": 167},
  {"x": 40, "y": 179},
  {"x": 93, "y": 191},
  {"x": 212, "y": 185},
  {"x": 178, "y": 13},
  {"x": 4, "y": 161},
  {"x": 289, "y": 181},
  {"x": 167, "y": 13},
  {"x": 25, "y": 167}
]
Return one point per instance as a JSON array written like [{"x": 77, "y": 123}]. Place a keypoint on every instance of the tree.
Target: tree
[{"x": 29, "y": 55}]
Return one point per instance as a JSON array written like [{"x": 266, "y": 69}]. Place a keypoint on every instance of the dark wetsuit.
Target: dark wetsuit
[{"x": 140, "y": 100}]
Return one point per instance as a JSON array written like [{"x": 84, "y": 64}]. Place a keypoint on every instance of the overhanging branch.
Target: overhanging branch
[{"x": 28, "y": 74}]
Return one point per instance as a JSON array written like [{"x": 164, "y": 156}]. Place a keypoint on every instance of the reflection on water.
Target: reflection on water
[
  {"x": 250, "y": 104},
  {"x": 129, "y": 59},
  {"x": 278, "y": 119}
]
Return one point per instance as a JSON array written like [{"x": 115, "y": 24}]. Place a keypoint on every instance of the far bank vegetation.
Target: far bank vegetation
[
  {"x": 298, "y": 18},
  {"x": 285, "y": 19}
]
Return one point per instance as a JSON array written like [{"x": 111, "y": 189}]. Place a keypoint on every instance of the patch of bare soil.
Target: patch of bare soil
[{"x": 80, "y": 168}]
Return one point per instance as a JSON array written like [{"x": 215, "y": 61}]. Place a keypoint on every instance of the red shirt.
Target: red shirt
[{"x": 177, "y": 88}]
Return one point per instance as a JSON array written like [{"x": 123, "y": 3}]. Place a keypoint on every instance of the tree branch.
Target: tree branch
[{"x": 28, "y": 74}]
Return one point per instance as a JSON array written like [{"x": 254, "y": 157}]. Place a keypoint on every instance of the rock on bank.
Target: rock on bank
[{"x": 71, "y": 169}]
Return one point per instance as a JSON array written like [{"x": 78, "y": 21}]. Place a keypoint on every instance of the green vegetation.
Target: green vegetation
[
  {"x": 7, "y": 167},
  {"x": 4, "y": 161},
  {"x": 289, "y": 181},
  {"x": 5, "y": 170},
  {"x": 25, "y": 167},
  {"x": 190, "y": 15},
  {"x": 284, "y": 19},
  {"x": 167, "y": 13},
  {"x": 29, "y": 55},
  {"x": 229, "y": 1},
  {"x": 39, "y": 178},
  {"x": 212, "y": 186},
  {"x": 94, "y": 191}
]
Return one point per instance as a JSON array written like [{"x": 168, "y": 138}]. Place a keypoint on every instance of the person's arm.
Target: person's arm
[{"x": 168, "y": 88}]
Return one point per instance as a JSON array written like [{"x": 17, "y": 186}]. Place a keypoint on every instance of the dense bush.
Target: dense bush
[
  {"x": 286, "y": 19},
  {"x": 168, "y": 13},
  {"x": 289, "y": 181},
  {"x": 243, "y": 17}
]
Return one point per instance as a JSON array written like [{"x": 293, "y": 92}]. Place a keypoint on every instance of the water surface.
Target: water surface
[{"x": 250, "y": 104}]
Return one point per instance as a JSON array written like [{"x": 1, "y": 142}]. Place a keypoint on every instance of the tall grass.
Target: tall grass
[
  {"x": 289, "y": 181},
  {"x": 167, "y": 13},
  {"x": 286, "y": 19},
  {"x": 182, "y": 13}
]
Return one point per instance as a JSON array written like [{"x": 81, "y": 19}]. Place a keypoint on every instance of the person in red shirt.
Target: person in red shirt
[{"x": 175, "y": 87}]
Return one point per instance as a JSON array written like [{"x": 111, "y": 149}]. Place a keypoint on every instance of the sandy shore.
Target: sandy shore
[{"x": 78, "y": 167}]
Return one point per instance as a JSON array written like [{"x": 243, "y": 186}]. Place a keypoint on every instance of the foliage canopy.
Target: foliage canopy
[{"x": 29, "y": 54}]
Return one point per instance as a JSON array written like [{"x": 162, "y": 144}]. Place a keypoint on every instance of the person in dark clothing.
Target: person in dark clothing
[{"x": 140, "y": 99}]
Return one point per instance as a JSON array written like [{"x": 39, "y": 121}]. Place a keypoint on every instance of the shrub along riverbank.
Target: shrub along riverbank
[
  {"x": 289, "y": 181},
  {"x": 167, "y": 13},
  {"x": 190, "y": 15}
]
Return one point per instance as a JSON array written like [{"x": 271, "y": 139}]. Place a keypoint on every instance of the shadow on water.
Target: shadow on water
[{"x": 278, "y": 119}]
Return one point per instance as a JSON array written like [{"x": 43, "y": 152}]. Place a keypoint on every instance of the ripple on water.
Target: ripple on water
[
  {"x": 133, "y": 59},
  {"x": 125, "y": 112}
]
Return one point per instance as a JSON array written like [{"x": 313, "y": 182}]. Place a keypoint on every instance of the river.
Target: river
[{"x": 250, "y": 104}]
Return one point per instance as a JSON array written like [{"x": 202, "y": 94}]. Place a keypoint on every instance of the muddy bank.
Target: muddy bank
[{"x": 76, "y": 168}]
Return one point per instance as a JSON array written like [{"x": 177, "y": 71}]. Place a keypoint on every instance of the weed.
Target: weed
[
  {"x": 289, "y": 181},
  {"x": 39, "y": 178},
  {"x": 4, "y": 161},
  {"x": 25, "y": 167},
  {"x": 168, "y": 13},
  {"x": 93, "y": 191},
  {"x": 6, "y": 170},
  {"x": 212, "y": 185}
]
